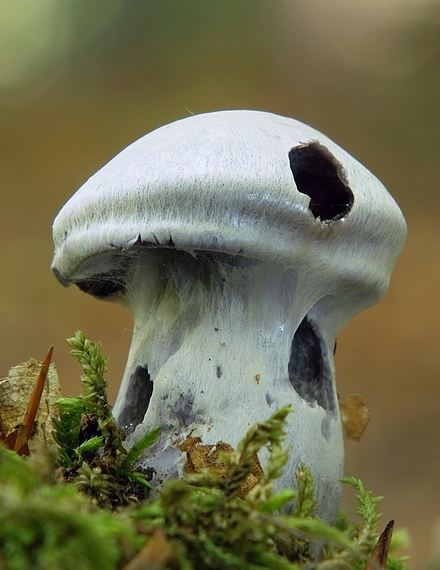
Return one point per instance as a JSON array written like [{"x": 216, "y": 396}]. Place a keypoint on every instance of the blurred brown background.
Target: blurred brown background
[{"x": 80, "y": 80}]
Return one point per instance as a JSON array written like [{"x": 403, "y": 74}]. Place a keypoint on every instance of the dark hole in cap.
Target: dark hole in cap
[
  {"x": 318, "y": 174},
  {"x": 308, "y": 368}
]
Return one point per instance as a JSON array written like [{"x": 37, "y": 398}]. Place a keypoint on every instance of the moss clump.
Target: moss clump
[
  {"x": 50, "y": 526},
  {"x": 201, "y": 522}
]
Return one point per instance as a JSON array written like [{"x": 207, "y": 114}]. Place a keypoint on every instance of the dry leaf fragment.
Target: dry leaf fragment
[
  {"x": 27, "y": 402},
  {"x": 355, "y": 416},
  {"x": 157, "y": 554},
  {"x": 208, "y": 456}
]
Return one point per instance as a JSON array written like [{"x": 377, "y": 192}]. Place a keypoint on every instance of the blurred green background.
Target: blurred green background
[{"x": 80, "y": 80}]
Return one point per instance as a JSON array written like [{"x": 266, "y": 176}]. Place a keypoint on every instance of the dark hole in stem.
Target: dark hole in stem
[
  {"x": 138, "y": 399},
  {"x": 309, "y": 372},
  {"x": 318, "y": 174}
]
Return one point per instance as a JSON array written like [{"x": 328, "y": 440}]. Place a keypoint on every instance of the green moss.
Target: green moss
[
  {"x": 77, "y": 509},
  {"x": 50, "y": 526}
]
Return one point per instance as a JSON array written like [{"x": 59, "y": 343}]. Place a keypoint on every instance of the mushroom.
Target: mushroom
[{"x": 241, "y": 242}]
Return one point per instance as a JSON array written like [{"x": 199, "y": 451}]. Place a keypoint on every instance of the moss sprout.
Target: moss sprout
[{"x": 92, "y": 454}]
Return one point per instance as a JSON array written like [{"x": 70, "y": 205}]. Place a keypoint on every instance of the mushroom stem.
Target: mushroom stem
[{"x": 212, "y": 345}]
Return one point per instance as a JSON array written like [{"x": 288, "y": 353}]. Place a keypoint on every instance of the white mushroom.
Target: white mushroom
[{"x": 241, "y": 242}]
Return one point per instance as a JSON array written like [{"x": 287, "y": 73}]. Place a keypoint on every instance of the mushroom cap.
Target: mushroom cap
[{"x": 230, "y": 182}]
